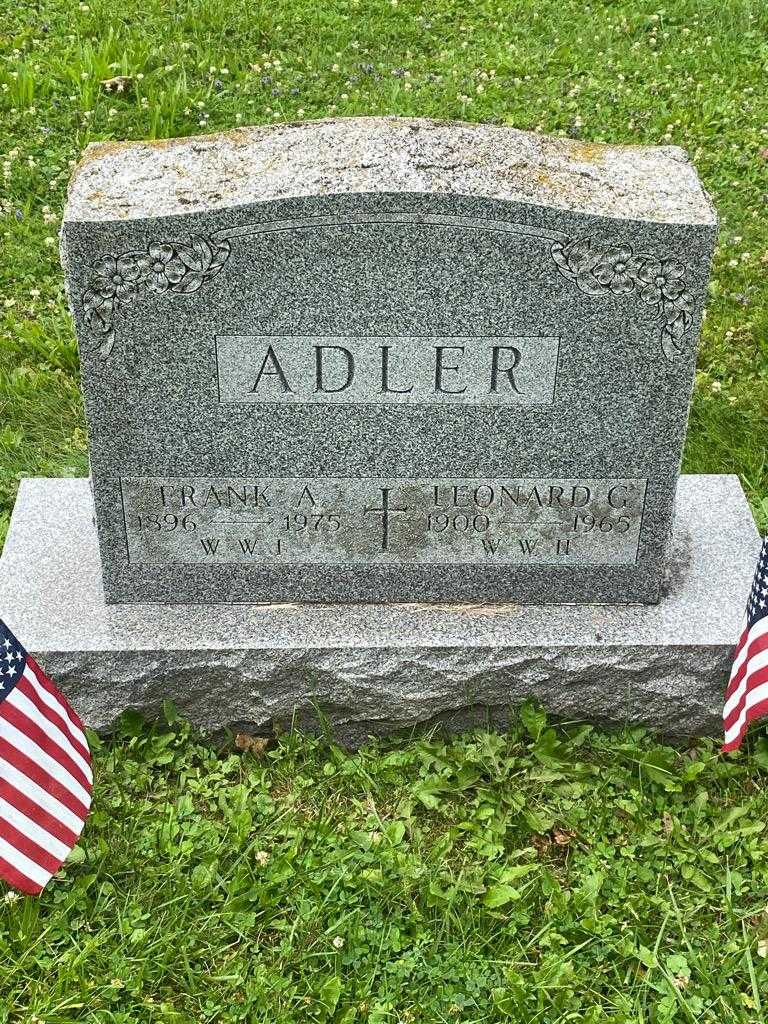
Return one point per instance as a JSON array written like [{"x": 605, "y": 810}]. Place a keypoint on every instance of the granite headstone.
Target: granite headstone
[
  {"x": 440, "y": 368},
  {"x": 383, "y": 359}
]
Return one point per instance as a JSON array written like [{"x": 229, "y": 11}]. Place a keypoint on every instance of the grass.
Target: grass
[
  {"x": 544, "y": 876},
  {"x": 691, "y": 73},
  {"x": 548, "y": 875}
]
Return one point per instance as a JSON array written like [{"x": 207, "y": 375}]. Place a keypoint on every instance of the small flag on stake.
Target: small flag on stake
[
  {"x": 45, "y": 771},
  {"x": 747, "y": 694}
]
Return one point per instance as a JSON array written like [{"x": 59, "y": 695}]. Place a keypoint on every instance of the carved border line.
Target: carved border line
[{"x": 115, "y": 282}]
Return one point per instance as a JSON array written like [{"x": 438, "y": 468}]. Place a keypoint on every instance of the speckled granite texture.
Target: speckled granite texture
[
  {"x": 136, "y": 180},
  {"x": 394, "y": 299},
  {"x": 379, "y": 668}
]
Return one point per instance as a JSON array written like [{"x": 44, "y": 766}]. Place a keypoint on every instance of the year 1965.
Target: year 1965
[{"x": 585, "y": 522}]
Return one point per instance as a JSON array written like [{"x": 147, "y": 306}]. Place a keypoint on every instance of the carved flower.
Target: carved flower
[
  {"x": 617, "y": 269},
  {"x": 661, "y": 279},
  {"x": 116, "y": 277},
  {"x": 164, "y": 267}
]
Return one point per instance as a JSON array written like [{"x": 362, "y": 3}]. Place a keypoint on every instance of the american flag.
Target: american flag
[
  {"x": 747, "y": 694},
  {"x": 45, "y": 771}
]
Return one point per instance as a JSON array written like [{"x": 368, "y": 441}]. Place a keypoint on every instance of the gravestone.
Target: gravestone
[
  {"x": 380, "y": 359},
  {"x": 385, "y": 423}
]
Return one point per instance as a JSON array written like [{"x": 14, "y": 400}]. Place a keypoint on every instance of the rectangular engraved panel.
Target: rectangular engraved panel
[
  {"x": 354, "y": 521},
  {"x": 373, "y": 370}
]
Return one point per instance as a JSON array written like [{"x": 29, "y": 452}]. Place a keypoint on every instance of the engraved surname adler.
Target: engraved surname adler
[
  {"x": 335, "y": 369},
  {"x": 382, "y": 370}
]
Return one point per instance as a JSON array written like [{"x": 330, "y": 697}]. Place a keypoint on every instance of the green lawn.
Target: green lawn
[
  {"x": 543, "y": 877},
  {"x": 692, "y": 74}
]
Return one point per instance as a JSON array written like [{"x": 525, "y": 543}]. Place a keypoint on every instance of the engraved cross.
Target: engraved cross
[{"x": 385, "y": 512}]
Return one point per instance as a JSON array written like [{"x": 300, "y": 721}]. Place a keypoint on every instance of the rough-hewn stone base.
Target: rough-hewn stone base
[{"x": 382, "y": 668}]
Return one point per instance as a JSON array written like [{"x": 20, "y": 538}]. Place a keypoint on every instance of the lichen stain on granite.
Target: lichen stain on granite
[{"x": 588, "y": 152}]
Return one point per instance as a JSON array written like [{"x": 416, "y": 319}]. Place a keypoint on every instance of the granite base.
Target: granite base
[{"x": 377, "y": 669}]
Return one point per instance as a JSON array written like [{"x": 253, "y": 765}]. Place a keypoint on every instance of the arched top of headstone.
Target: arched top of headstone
[{"x": 370, "y": 155}]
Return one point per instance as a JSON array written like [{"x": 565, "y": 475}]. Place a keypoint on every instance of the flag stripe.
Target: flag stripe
[
  {"x": 33, "y": 829},
  {"x": 746, "y": 696},
  {"x": 48, "y": 695},
  {"x": 17, "y": 880},
  {"x": 15, "y": 712},
  {"x": 739, "y": 659},
  {"x": 11, "y": 795},
  {"x": 46, "y": 775},
  {"x": 65, "y": 709},
  {"x": 756, "y": 658},
  {"x": 21, "y": 863},
  {"x": 29, "y": 848},
  {"x": 758, "y": 692},
  {"x": 755, "y": 711},
  {"x": 747, "y": 640},
  {"x": 41, "y": 795},
  {"x": 28, "y": 686},
  {"x": 41, "y": 762}
]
